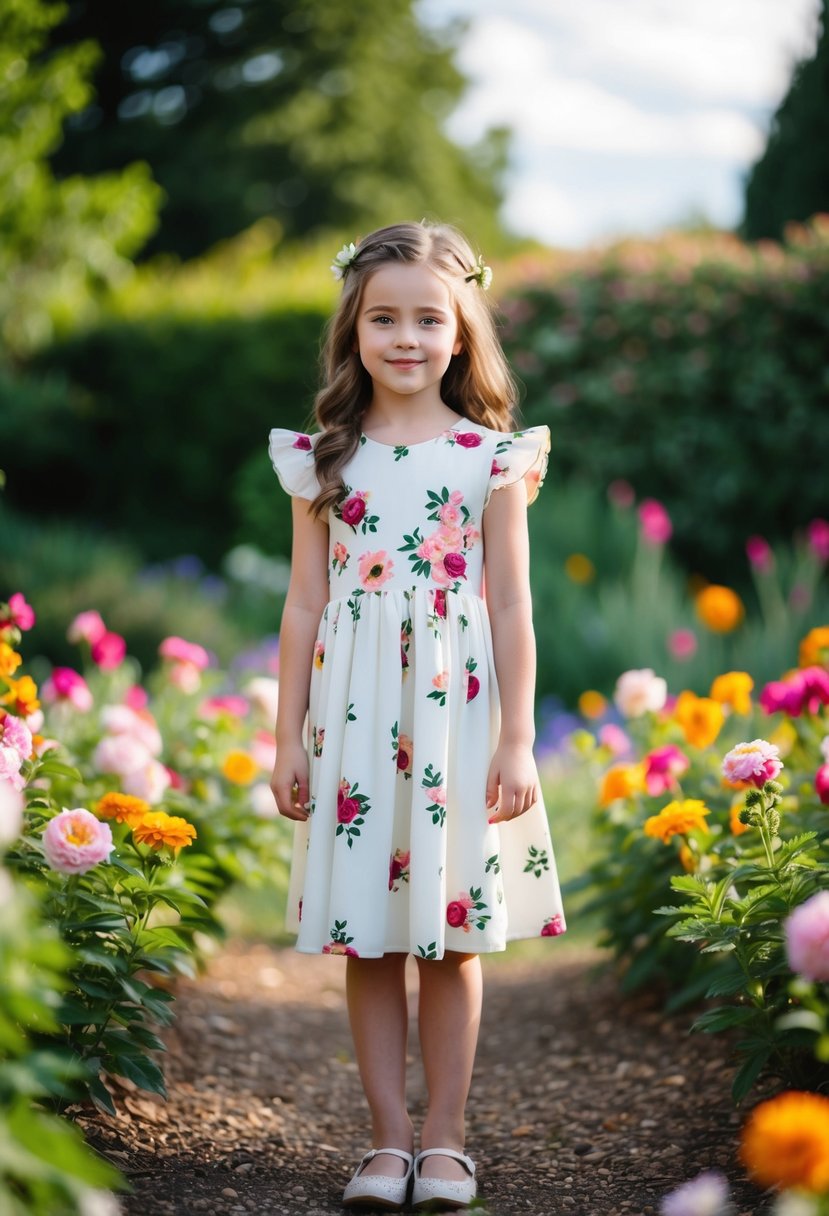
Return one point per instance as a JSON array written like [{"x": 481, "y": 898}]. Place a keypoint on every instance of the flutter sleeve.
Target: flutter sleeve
[
  {"x": 292, "y": 456},
  {"x": 522, "y": 454}
]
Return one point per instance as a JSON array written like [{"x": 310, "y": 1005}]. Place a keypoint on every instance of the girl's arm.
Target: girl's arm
[
  {"x": 512, "y": 781},
  {"x": 304, "y": 603}
]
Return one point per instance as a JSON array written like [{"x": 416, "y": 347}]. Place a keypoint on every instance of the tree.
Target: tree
[
  {"x": 790, "y": 181},
  {"x": 323, "y": 114},
  {"x": 61, "y": 240}
]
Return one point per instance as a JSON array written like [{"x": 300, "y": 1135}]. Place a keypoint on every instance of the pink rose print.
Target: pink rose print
[
  {"x": 353, "y": 510},
  {"x": 553, "y": 926},
  {"x": 404, "y": 756},
  {"x": 467, "y": 910},
  {"x": 468, "y": 439},
  {"x": 340, "y": 941},
  {"x": 441, "y": 680},
  {"x": 432, "y": 784},
  {"x": 351, "y": 810},
  {"x": 455, "y": 565},
  {"x": 471, "y": 682},
  {"x": 471, "y": 536},
  {"x": 347, "y": 808},
  {"x": 449, "y": 513},
  {"x": 340, "y": 557},
  {"x": 375, "y": 569},
  {"x": 303, "y": 442},
  {"x": 450, "y": 540},
  {"x": 456, "y": 914},
  {"x": 398, "y": 869},
  {"x": 440, "y": 604},
  {"x": 496, "y": 470}
]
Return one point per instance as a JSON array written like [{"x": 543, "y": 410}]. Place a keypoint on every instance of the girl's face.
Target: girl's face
[{"x": 407, "y": 329}]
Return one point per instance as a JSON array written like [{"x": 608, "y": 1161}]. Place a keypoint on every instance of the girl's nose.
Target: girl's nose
[{"x": 405, "y": 337}]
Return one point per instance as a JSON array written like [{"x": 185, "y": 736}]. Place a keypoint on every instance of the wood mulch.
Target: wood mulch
[{"x": 583, "y": 1103}]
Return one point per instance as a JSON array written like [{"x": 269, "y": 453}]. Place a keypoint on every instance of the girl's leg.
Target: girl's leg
[
  {"x": 449, "y": 1016},
  {"x": 379, "y": 1016}
]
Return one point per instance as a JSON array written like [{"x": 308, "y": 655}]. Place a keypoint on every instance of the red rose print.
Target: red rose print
[
  {"x": 552, "y": 927},
  {"x": 440, "y": 603},
  {"x": 473, "y": 688},
  {"x": 468, "y": 439},
  {"x": 402, "y": 759},
  {"x": 456, "y": 914},
  {"x": 495, "y": 469},
  {"x": 455, "y": 565},
  {"x": 353, "y": 510},
  {"x": 347, "y": 810},
  {"x": 303, "y": 442}
]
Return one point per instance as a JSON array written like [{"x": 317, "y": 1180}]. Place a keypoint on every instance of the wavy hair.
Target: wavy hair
[{"x": 478, "y": 384}]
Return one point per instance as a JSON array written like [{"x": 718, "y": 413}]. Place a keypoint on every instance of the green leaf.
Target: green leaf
[
  {"x": 749, "y": 1073},
  {"x": 723, "y": 1018}
]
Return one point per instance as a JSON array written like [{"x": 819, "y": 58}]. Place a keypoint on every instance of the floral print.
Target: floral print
[
  {"x": 353, "y": 511},
  {"x": 468, "y": 911},
  {"x": 340, "y": 941},
  {"x": 351, "y": 811},
  {"x": 442, "y": 554},
  {"x": 402, "y": 752},
  {"x": 537, "y": 861},
  {"x": 436, "y": 795},
  {"x": 553, "y": 926},
  {"x": 339, "y": 559},
  {"x": 398, "y": 869},
  {"x": 375, "y": 569}
]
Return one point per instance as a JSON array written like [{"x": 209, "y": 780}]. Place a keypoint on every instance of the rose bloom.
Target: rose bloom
[
  {"x": 108, "y": 651},
  {"x": 662, "y": 766},
  {"x": 822, "y": 784},
  {"x": 75, "y": 841},
  {"x": 151, "y": 781},
  {"x": 807, "y": 938},
  {"x": 21, "y": 614},
  {"x": 375, "y": 569},
  {"x": 67, "y": 685},
  {"x": 11, "y": 813},
  {"x": 553, "y": 927},
  {"x": 639, "y": 691},
  {"x": 785, "y": 1142},
  {"x": 677, "y": 819},
  {"x": 733, "y": 689},
  {"x": 340, "y": 553},
  {"x": 468, "y": 439},
  {"x": 123, "y": 808},
  {"x": 654, "y": 521},
  {"x": 441, "y": 680},
  {"x": 15, "y": 734},
  {"x": 303, "y": 442},
  {"x": 805, "y": 690},
  {"x": 182, "y": 651},
  {"x": 455, "y": 565},
  {"x": 404, "y": 754},
  {"x": 705, "y": 1195},
  {"x": 755, "y": 762},
  {"x": 86, "y": 627},
  {"x": 438, "y": 795},
  {"x": 449, "y": 514},
  {"x": 353, "y": 510},
  {"x": 719, "y": 608},
  {"x": 440, "y": 603},
  {"x": 456, "y": 914},
  {"x": 239, "y": 767},
  {"x": 701, "y": 718},
  {"x": 158, "y": 829}
]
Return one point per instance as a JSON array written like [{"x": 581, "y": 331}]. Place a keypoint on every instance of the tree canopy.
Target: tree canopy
[{"x": 322, "y": 114}]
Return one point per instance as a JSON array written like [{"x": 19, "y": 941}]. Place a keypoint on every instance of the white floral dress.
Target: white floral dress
[{"x": 404, "y": 715}]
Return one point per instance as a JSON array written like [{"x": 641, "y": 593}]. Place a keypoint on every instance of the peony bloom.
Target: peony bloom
[
  {"x": 814, "y": 649},
  {"x": 654, "y": 521},
  {"x": 807, "y": 938},
  {"x": 759, "y": 554},
  {"x": 68, "y": 686},
  {"x": 140, "y": 725},
  {"x": 120, "y": 754},
  {"x": 705, "y": 1195},
  {"x": 87, "y": 627},
  {"x": 374, "y": 570},
  {"x": 239, "y": 767},
  {"x": 733, "y": 689},
  {"x": 677, "y": 819},
  {"x": 822, "y": 784},
  {"x": 158, "y": 829},
  {"x": 701, "y": 718},
  {"x": 785, "y": 1142},
  {"x": 639, "y": 691},
  {"x": 621, "y": 781},
  {"x": 467, "y": 439},
  {"x": 719, "y": 608},
  {"x": 755, "y": 763},
  {"x": 123, "y": 808},
  {"x": 75, "y": 841},
  {"x": 11, "y": 813},
  {"x": 662, "y": 766},
  {"x": 15, "y": 734}
]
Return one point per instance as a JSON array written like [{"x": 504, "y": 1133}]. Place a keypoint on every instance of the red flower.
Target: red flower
[
  {"x": 303, "y": 442},
  {"x": 552, "y": 927},
  {"x": 468, "y": 439},
  {"x": 473, "y": 688},
  {"x": 347, "y": 810},
  {"x": 495, "y": 469},
  {"x": 353, "y": 510},
  {"x": 455, "y": 565},
  {"x": 402, "y": 759},
  {"x": 440, "y": 603},
  {"x": 456, "y": 914}
]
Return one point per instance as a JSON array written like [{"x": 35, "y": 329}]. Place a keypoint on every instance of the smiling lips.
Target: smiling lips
[{"x": 406, "y": 362}]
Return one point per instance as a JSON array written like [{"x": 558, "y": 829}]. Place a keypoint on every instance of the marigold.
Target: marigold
[
  {"x": 719, "y": 608},
  {"x": 814, "y": 649},
  {"x": 592, "y": 704},
  {"x": 785, "y": 1142},
  {"x": 22, "y": 696},
  {"x": 158, "y": 829},
  {"x": 10, "y": 660},
  {"x": 677, "y": 819},
  {"x": 240, "y": 768},
  {"x": 701, "y": 718},
  {"x": 734, "y": 689},
  {"x": 620, "y": 781},
  {"x": 123, "y": 808}
]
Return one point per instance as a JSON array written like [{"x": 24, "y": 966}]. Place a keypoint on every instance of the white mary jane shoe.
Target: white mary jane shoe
[
  {"x": 443, "y": 1192},
  {"x": 379, "y": 1190}
]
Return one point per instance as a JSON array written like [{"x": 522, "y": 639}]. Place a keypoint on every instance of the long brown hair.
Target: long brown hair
[{"x": 478, "y": 383}]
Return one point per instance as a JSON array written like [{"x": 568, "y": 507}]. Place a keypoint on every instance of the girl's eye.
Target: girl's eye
[
  {"x": 381, "y": 318},
  {"x": 431, "y": 320}
]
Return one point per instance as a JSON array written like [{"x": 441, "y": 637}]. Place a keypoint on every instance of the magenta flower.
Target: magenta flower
[
  {"x": 75, "y": 841},
  {"x": 468, "y": 439},
  {"x": 621, "y": 493},
  {"x": 807, "y": 938},
  {"x": 440, "y": 603},
  {"x": 20, "y": 613},
  {"x": 15, "y": 734},
  {"x": 682, "y": 643},
  {"x": 456, "y": 914},
  {"x": 662, "y": 766},
  {"x": 553, "y": 926},
  {"x": 181, "y": 651},
  {"x": 818, "y": 534},
  {"x": 804, "y": 690},
  {"x": 655, "y": 522},
  {"x": 759, "y": 554},
  {"x": 754, "y": 762},
  {"x": 68, "y": 686},
  {"x": 822, "y": 784},
  {"x": 353, "y": 510},
  {"x": 303, "y": 442},
  {"x": 455, "y": 565},
  {"x": 612, "y": 736},
  {"x": 109, "y": 651},
  {"x": 473, "y": 687},
  {"x": 86, "y": 627}
]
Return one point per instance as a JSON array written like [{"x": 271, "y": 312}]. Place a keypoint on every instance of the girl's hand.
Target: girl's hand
[
  {"x": 512, "y": 781},
  {"x": 289, "y": 782}
]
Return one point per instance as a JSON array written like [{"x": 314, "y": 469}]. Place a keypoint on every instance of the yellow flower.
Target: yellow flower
[
  {"x": 621, "y": 781},
  {"x": 240, "y": 768},
  {"x": 10, "y": 660},
  {"x": 785, "y": 1142},
  {"x": 719, "y": 608},
  {"x": 158, "y": 829},
  {"x": 677, "y": 819},
  {"x": 688, "y": 860},
  {"x": 22, "y": 696},
  {"x": 736, "y": 827},
  {"x": 579, "y": 569},
  {"x": 592, "y": 704},
  {"x": 734, "y": 689},
  {"x": 123, "y": 808},
  {"x": 814, "y": 649},
  {"x": 701, "y": 718}
]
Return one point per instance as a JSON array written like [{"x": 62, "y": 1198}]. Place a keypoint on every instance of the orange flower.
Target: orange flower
[
  {"x": 734, "y": 689},
  {"x": 10, "y": 660},
  {"x": 677, "y": 819},
  {"x": 785, "y": 1142},
  {"x": 22, "y": 696},
  {"x": 158, "y": 829},
  {"x": 592, "y": 704},
  {"x": 736, "y": 827},
  {"x": 620, "y": 781},
  {"x": 123, "y": 808},
  {"x": 688, "y": 860},
  {"x": 701, "y": 718},
  {"x": 240, "y": 768},
  {"x": 814, "y": 649},
  {"x": 719, "y": 608}
]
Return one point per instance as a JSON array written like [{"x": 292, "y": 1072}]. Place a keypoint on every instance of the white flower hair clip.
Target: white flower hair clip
[
  {"x": 343, "y": 260},
  {"x": 482, "y": 274}
]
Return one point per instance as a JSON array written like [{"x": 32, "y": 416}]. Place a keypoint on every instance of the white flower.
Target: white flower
[
  {"x": 263, "y": 691},
  {"x": 482, "y": 274},
  {"x": 343, "y": 260},
  {"x": 705, "y": 1195},
  {"x": 121, "y": 720},
  {"x": 638, "y": 691}
]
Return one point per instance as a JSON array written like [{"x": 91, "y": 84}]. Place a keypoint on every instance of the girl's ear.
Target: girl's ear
[{"x": 457, "y": 348}]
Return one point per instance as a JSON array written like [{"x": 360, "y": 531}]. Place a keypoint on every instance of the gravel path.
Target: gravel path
[{"x": 583, "y": 1103}]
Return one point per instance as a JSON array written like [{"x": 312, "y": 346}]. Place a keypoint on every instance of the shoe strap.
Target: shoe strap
[
  {"x": 465, "y": 1161},
  {"x": 394, "y": 1152}
]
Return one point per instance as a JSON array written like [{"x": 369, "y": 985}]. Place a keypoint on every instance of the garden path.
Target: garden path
[{"x": 583, "y": 1103}]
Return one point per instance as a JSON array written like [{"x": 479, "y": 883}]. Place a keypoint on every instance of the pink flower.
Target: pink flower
[
  {"x": 822, "y": 784},
  {"x": 495, "y": 470},
  {"x": 15, "y": 735},
  {"x": 705, "y": 1195},
  {"x": 86, "y": 627},
  {"x": 375, "y": 569},
  {"x": 108, "y": 651},
  {"x": 10, "y": 762},
  {"x": 655, "y": 522},
  {"x": 181, "y": 651},
  {"x": 11, "y": 813},
  {"x": 440, "y": 603},
  {"x": 818, "y": 534},
  {"x": 448, "y": 538},
  {"x": 340, "y": 948},
  {"x": 140, "y": 724},
  {"x": 404, "y": 753},
  {"x": 449, "y": 514},
  {"x": 21, "y": 614},
  {"x": 807, "y": 938},
  {"x": 468, "y": 439},
  {"x": 303, "y": 442},
  {"x": 456, "y": 498},
  {"x": 150, "y": 781},
  {"x": 67, "y": 685},
  {"x": 136, "y": 697},
  {"x": 456, "y": 914},
  {"x": 682, "y": 643},
  {"x": 662, "y": 766},
  {"x": 473, "y": 687},
  {"x": 759, "y": 554},
  {"x": 347, "y": 808},
  {"x": 455, "y": 565},
  {"x": 353, "y": 510},
  {"x": 612, "y": 736},
  {"x": 553, "y": 926},
  {"x": 441, "y": 680},
  {"x": 638, "y": 691},
  {"x": 438, "y": 795},
  {"x": 440, "y": 575},
  {"x": 232, "y": 704},
  {"x": 76, "y": 840},
  {"x": 804, "y": 690},
  {"x": 120, "y": 754},
  {"x": 754, "y": 762},
  {"x": 340, "y": 553},
  {"x": 471, "y": 536}
]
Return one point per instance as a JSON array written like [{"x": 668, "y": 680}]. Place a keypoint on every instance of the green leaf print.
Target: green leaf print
[
  {"x": 433, "y": 781},
  {"x": 430, "y": 951},
  {"x": 352, "y": 808},
  {"x": 462, "y": 621},
  {"x": 400, "y": 450},
  {"x": 354, "y": 604},
  {"x": 413, "y": 541},
  {"x": 350, "y": 716},
  {"x": 537, "y": 861},
  {"x": 493, "y": 864}
]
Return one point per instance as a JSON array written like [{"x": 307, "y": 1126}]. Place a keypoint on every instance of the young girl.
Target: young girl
[{"x": 422, "y": 828}]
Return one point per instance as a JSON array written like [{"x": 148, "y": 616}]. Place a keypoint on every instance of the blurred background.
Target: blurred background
[{"x": 651, "y": 186}]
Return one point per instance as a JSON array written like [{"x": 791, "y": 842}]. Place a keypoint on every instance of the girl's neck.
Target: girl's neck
[{"x": 406, "y": 418}]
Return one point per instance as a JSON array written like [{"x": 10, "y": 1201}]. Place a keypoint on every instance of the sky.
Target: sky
[{"x": 628, "y": 116}]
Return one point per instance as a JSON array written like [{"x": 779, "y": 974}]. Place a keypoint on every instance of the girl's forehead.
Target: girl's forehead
[{"x": 406, "y": 284}]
